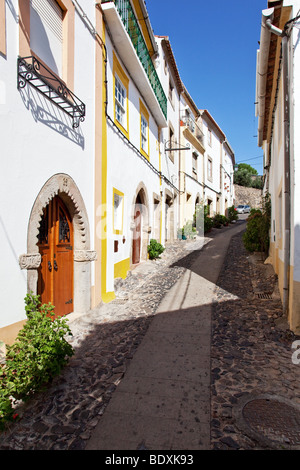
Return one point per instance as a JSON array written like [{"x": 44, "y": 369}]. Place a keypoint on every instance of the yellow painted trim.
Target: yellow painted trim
[
  {"x": 105, "y": 296},
  {"x": 119, "y": 71},
  {"x": 121, "y": 268},
  {"x": 294, "y": 307},
  {"x": 143, "y": 26},
  {"x": 145, "y": 113},
  {"x": 160, "y": 185},
  {"x": 108, "y": 297},
  {"x": 119, "y": 193}
]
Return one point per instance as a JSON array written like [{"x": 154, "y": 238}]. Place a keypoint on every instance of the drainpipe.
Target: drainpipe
[
  {"x": 262, "y": 65},
  {"x": 287, "y": 217}
]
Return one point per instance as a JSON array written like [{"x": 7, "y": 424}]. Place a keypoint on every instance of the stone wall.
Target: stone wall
[{"x": 250, "y": 196}]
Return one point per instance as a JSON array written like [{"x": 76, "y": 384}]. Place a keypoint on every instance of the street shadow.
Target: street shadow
[
  {"x": 188, "y": 262},
  {"x": 104, "y": 353}
]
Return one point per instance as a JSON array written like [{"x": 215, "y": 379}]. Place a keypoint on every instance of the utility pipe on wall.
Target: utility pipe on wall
[
  {"x": 262, "y": 63},
  {"x": 287, "y": 219}
]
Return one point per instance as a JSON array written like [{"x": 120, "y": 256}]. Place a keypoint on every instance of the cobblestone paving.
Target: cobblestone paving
[
  {"x": 104, "y": 340},
  {"x": 251, "y": 358}
]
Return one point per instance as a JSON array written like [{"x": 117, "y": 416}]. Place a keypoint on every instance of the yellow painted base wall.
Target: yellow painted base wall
[
  {"x": 294, "y": 290},
  {"x": 121, "y": 269},
  {"x": 278, "y": 266},
  {"x": 294, "y": 307}
]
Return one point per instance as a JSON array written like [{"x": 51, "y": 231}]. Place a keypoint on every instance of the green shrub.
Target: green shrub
[
  {"x": 252, "y": 236},
  {"x": 36, "y": 357},
  {"x": 232, "y": 214},
  {"x": 208, "y": 223},
  {"x": 188, "y": 230},
  {"x": 257, "y": 237},
  {"x": 218, "y": 220},
  {"x": 255, "y": 211},
  {"x": 6, "y": 408},
  {"x": 155, "y": 249}
]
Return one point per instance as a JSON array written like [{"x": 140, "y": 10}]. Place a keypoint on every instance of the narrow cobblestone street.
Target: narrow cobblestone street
[{"x": 254, "y": 384}]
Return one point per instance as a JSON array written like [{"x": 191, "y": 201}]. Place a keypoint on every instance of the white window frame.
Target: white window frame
[
  {"x": 209, "y": 169},
  {"x": 144, "y": 133},
  {"x": 120, "y": 101}
]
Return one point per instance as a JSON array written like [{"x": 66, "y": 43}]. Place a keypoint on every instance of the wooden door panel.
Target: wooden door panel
[
  {"x": 136, "y": 245},
  {"x": 44, "y": 278},
  {"x": 55, "y": 285},
  {"x": 63, "y": 282}
]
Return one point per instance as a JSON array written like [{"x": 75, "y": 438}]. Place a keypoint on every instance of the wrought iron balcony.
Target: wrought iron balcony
[
  {"x": 191, "y": 124},
  {"x": 132, "y": 27},
  {"x": 32, "y": 71}
]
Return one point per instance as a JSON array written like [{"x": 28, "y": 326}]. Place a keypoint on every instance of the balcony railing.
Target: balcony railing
[
  {"x": 131, "y": 25},
  {"x": 36, "y": 74},
  {"x": 189, "y": 122}
]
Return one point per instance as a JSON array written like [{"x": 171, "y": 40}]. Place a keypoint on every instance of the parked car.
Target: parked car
[{"x": 242, "y": 209}]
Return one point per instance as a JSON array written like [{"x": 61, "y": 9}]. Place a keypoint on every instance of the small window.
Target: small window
[
  {"x": 209, "y": 169},
  {"x": 195, "y": 163},
  {"x": 144, "y": 133},
  {"x": 121, "y": 84},
  {"x": 171, "y": 91},
  {"x": 171, "y": 143},
  {"x": 120, "y": 97},
  {"x": 209, "y": 137},
  {"x": 46, "y": 33},
  {"x": 118, "y": 199}
]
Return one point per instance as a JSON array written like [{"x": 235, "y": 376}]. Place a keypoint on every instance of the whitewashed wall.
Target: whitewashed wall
[
  {"x": 127, "y": 170},
  {"x": 37, "y": 142}
]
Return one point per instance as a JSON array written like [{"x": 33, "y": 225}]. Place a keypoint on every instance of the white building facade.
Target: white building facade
[
  {"x": 278, "y": 111},
  {"x": 141, "y": 175},
  {"x": 227, "y": 171},
  {"x": 170, "y": 80},
  {"x": 47, "y": 114},
  {"x": 102, "y": 150},
  {"x": 214, "y": 139},
  {"x": 191, "y": 160}
]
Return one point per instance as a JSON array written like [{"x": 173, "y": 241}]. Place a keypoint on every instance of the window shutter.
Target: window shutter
[{"x": 46, "y": 32}]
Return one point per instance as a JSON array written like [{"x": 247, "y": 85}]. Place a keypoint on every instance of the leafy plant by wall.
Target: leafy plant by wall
[
  {"x": 36, "y": 357},
  {"x": 232, "y": 214},
  {"x": 155, "y": 249},
  {"x": 257, "y": 235}
]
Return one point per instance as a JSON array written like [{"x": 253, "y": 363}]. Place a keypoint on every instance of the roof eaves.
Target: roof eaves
[
  {"x": 206, "y": 113},
  {"x": 171, "y": 60}
]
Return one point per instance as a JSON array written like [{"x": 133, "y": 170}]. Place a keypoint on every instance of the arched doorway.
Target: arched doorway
[
  {"x": 63, "y": 186},
  {"x": 136, "y": 242},
  {"x": 55, "y": 243}
]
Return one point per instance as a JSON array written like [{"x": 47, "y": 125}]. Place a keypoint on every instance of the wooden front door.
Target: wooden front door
[
  {"x": 136, "y": 244},
  {"x": 55, "y": 279}
]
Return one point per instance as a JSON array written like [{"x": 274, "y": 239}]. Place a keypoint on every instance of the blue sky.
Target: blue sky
[{"x": 214, "y": 44}]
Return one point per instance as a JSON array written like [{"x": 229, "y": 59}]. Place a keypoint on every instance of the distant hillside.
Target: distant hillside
[{"x": 250, "y": 196}]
